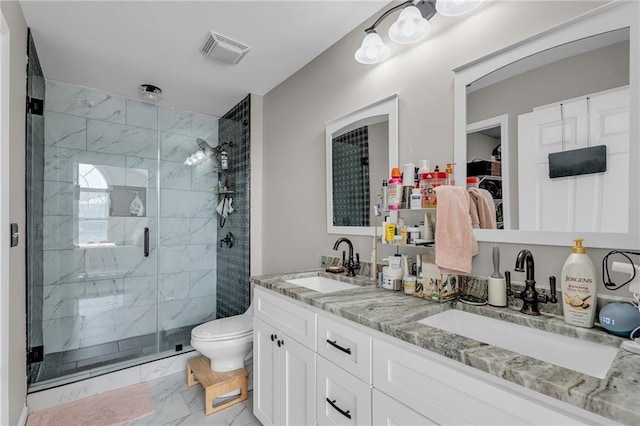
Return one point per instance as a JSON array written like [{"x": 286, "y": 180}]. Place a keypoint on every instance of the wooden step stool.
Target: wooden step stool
[{"x": 216, "y": 383}]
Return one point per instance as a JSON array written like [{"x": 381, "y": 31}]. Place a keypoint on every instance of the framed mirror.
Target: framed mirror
[
  {"x": 570, "y": 87},
  {"x": 361, "y": 148}
]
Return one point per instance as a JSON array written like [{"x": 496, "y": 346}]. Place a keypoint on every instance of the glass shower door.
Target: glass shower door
[
  {"x": 100, "y": 220},
  {"x": 188, "y": 225}
]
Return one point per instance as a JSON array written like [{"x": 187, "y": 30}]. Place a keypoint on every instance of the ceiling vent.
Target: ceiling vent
[{"x": 223, "y": 48}]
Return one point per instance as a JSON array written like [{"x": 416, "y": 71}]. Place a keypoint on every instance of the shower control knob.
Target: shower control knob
[{"x": 273, "y": 337}]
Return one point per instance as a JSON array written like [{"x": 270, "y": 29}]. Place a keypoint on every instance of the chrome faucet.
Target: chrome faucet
[
  {"x": 351, "y": 266},
  {"x": 530, "y": 296}
]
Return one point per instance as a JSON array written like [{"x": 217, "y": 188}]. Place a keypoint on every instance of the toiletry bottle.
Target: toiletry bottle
[
  {"x": 578, "y": 283},
  {"x": 449, "y": 170},
  {"x": 385, "y": 195},
  {"x": 416, "y": 199},
  {"x": 136, "y": 207},
  {"x": 389, "y": 231},
  {"x": 395, "y": 189},
  {"x": 373, "y": 273},
  {"x": 424, "y": 167}
]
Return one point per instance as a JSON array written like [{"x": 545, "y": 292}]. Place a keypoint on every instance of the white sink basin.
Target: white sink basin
[
  {"x": 322, "y": 284},
  {"x": 583, "y": 356}
]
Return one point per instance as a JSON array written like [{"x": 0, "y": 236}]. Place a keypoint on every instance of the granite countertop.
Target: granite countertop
[{"x": 616, "y": 397}]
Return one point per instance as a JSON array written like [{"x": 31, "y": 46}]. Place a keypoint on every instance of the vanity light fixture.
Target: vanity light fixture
[{"x": 411, "y": 26}]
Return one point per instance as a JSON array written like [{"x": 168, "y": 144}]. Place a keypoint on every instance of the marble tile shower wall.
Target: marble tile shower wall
[{"x": 97, "y": 293}]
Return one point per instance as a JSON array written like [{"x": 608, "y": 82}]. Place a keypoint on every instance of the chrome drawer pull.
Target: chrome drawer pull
[
  {"x": 333, "y": 404},
  {"x": 337, "y": 346}
]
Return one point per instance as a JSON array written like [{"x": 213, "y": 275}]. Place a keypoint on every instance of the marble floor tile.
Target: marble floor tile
[{"x": 177, "y": 404}]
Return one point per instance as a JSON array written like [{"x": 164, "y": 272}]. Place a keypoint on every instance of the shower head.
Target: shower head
[{"x": 204, "y": 145}]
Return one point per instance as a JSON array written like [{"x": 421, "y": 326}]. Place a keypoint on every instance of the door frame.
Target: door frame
[{"x": 4, "y": 218}]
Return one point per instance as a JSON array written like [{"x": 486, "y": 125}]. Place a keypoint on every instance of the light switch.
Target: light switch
[{"x": 14, "y": 234}]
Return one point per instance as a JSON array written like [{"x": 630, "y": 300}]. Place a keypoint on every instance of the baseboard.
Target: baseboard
[{"x": 22, "y": 421}]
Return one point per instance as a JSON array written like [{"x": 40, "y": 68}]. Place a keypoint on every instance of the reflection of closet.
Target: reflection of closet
[
  {"x": 484, "y": 143},
  {"x": 587, "y": 203}
]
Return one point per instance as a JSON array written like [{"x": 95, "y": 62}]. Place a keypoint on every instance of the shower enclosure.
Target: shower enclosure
[{"x": 123, "y": 231}]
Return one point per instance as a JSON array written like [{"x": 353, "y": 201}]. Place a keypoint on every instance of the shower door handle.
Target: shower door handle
[{"x": 146, "y": 242}]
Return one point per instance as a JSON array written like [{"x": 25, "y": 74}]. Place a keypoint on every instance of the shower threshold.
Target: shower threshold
[{"x": 66, "y": 367}]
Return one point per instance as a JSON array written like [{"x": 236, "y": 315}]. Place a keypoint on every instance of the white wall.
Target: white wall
[
  {"x": 17, "y": 272},
  {"x": 294, "y": 215}
]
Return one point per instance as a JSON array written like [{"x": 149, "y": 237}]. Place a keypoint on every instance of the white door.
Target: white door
[
  {"x": 575, "y": 203},
  {"x": 297, "y": 367},
  {"x": 265, "y": 374},
  {"x": 4, "y": 219}
]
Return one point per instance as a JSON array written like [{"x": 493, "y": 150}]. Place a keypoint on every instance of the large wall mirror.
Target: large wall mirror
[
  {"x": 571, "y": 87},
  {"x": 361, "y": 148}
]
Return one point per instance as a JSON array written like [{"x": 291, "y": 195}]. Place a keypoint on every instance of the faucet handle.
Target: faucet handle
[
  {"x": 552, "y": 286},
  {"x": 507, "y": 278},
  {"x": 358, "y": 260},
  {"x": 343, "y": 257}
]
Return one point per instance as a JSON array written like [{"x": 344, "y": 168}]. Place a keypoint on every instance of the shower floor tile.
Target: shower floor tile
[
  {"x": 89, "y": 352},
  {"x": 61, "y": 364}
]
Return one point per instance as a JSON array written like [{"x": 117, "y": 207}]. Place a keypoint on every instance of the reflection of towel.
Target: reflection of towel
[
  {"x": 482, "y": 209},
  {"x": 454, "y": 240}
]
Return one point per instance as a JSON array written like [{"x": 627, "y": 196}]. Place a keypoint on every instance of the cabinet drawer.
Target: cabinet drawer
[
  {"x": 388, "y": 411},
  {"x": 341, "y": 399},
  {"x": 345, "y": 346},
  {"x": 287, "y": 316},
  {"x": 437, "y": 391}
]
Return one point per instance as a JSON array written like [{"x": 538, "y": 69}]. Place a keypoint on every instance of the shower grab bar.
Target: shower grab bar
[{"x": 146, "y": 242}]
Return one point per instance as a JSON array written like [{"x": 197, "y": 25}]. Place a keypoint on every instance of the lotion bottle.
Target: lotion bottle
[{"x": 578, "y": 283}]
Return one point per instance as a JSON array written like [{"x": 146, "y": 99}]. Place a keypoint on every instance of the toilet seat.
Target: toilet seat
[{"x": 224, "y": 329}]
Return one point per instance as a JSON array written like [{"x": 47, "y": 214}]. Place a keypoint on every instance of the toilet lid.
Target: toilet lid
[{"x": 224, "y": 328}]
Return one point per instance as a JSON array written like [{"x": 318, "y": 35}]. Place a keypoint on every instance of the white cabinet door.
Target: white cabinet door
[
  {"x": 265, "y": 374},
  {"x": 283, "y": 378},
  {"x": 575, "y": 203},
  {"x": 389, "y": 412},
  {"x": 297, "y": 389},
  {"x": 292, "y": 318},
  {"x": 341, "y": 399}
]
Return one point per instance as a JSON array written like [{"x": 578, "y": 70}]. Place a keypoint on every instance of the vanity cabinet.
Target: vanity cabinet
[
  {"x": 313, "y": 367},
  {"x": 284, "y": 368}
]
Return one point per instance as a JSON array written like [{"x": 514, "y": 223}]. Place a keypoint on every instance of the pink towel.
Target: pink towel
[
  {"x": 485, "y": 208},
  {"x": 454, "y": 240}
]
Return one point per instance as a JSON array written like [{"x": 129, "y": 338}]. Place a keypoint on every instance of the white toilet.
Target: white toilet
[{"x": 225, "y": 341}]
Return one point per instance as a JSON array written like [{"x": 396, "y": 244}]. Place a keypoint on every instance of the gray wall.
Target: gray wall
[
  {"x": 334, "y": 84},
  {"x": 17, "y": 273}
]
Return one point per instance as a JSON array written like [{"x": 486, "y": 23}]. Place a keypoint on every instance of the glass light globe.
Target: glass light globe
[
  {"x": 372, "y": 50},
  {"x": 188, "y": 161},
  {"x": 456, "y": 7},
  {"x": 410, "y": 26},
  {"x": 200, "y": 155}
]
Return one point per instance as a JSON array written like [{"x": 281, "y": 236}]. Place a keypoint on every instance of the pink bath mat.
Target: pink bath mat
[{"x": 106, "y": 409}]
